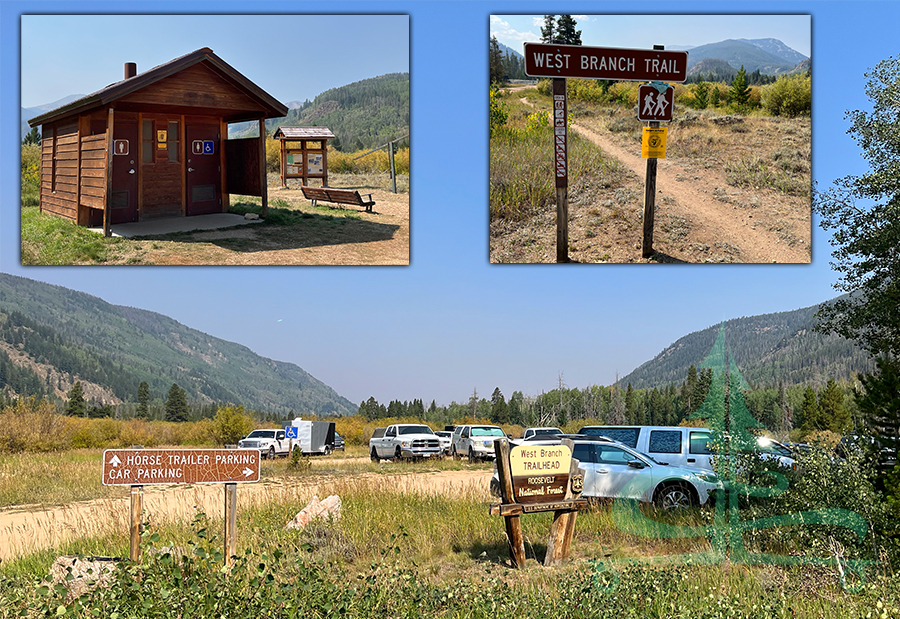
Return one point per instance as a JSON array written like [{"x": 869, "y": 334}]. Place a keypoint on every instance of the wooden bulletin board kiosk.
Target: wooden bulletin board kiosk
[{"x": 303, "y": 153}]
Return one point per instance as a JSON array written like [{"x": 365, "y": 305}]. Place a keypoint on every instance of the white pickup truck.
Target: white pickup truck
[
  {"x": 404, "y": 442},
  {"x": 270, "y": 442}
]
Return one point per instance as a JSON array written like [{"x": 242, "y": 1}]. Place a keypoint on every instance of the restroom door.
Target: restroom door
[
  {"x": 204, "y": 176},
  {"x": 123, "y": 199}
]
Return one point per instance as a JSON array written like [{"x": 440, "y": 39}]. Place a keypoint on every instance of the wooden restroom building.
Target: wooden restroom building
[{"x": 155, "y": 144}]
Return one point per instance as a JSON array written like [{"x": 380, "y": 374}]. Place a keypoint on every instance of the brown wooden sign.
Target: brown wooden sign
[
  {"x": 605, "y": 63},
  {"x": 540, "y": 473},
  {"x": 141, "y": 467}
]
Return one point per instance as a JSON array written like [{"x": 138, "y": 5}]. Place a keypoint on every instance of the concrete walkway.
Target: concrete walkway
[{"x": 156, "y": 227}]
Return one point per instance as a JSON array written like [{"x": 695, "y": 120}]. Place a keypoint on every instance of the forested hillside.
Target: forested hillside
[
  {"x": 364, "y": 114},
  {"x": 769, "y": 349},
  {"x": 57, "y": 336}
]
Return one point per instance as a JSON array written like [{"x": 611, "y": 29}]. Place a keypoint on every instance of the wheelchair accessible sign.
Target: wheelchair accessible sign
[{"x": 203, "y": 147}]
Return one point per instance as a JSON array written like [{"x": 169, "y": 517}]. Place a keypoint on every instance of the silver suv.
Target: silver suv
[{"x": 475, "y": 442}]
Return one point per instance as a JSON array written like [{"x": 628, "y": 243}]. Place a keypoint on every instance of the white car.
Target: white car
[{"x": 446, "y": 438}]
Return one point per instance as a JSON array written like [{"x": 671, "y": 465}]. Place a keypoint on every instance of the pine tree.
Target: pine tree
[
  {"x": 548, "y": 30},
  {"x": 176, "y": 404},
  {"x": 740, "y": 91},
  {"x": 33, "y": 137},
  {"x": 834, "y": 414},
  {"x": 565, "y": 31},
  {"x": 76, "y": 406},
  {"x": 495, "y": 61},
  {"x": 143, "y": 396},
  {"x": 499, "y": 409},
  {"x": 879, "y": 401},
  {"x": 812, "y": 420}
]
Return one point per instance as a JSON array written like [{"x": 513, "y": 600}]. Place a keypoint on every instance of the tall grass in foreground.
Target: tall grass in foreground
[
  {"x": 523, "y": 173},
  {"x": 404, "y": 550}
]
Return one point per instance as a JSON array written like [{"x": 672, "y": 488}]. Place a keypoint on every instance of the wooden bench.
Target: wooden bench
[{"x": 338, "y": 196}]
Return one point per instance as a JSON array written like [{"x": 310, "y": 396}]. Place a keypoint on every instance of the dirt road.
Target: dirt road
[{"x": 24, "y": 531}]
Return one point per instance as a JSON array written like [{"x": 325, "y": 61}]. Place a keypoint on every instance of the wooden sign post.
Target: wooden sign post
[
  {"x": 602, "y": 63},
  {"x": 138, "y": 467},
  {"x": 561, "y": 165},
  {"x": 539, "y": 478}
]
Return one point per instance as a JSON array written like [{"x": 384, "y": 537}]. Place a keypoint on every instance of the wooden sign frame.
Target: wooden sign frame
[{"x": 564, "y": 511}]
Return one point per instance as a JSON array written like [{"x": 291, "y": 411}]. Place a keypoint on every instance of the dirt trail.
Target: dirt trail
[
  {"x": 709, "y": 217},
  {"x": 28, "y": 530},
  {"x": 684, "y": 192}
]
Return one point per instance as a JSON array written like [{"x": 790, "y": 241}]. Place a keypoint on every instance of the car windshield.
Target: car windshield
[
  {"x": 262, "y": 434},
  {"x": 487, "y": 432},
  {"x": 414, "y": 430}
]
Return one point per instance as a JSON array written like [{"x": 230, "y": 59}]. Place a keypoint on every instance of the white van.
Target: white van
[{"x": 671, "y": 444}]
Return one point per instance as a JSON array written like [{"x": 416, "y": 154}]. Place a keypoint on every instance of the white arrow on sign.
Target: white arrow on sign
[
  {"x": 115, "y": 460},
  {"x": 247, "y": 472}
]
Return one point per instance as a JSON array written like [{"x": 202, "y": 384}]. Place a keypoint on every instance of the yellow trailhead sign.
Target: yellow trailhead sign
[{"x": 653, "y": 145}]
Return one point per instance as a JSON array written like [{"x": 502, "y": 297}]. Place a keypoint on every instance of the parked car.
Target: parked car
[
  {"x": 338, "y": 442},
  {"x": 615, "y": 471},
  {"x": 885, "y": 457},
  {"x": 270, "y": 442},
  {"x": 539, "y": 433},
  {"x": 446, "y": 438},
  {"x": 475, "y": 442},
  {"x": 671, "y": 444}
]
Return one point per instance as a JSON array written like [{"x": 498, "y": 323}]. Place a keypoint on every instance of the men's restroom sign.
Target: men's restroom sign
[
  {"x": 654, "y": 105},
  {"x": 121, "y": 147},
  {"x": 203, "y": 147}
]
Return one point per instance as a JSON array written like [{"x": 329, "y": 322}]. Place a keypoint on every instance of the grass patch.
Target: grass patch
[
  {"x": 47, "y": 239},
  {"x": 400, "y": 552}
]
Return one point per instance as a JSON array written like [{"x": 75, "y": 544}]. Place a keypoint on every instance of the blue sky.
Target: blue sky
[
  {"x": 674, "y": 31},
  {"x": 293, "y": 56},
  {"x": 451, "y": 322}
]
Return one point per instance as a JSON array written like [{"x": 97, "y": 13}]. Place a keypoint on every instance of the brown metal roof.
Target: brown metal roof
[
  {"x": 303, "y": 133},
  {"x": 273, "y": 108}
]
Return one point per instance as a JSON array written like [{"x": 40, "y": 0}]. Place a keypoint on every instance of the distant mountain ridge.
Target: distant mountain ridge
[
  {"x": 768, "y": 348},
  {"x": 750, "y": 55},
  {"x": 71, "y": 336}
]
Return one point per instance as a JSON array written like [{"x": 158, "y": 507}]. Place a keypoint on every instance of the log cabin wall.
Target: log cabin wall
[
  {"x": 161, "y": 165},
  {"x": 59, "y": 170}
]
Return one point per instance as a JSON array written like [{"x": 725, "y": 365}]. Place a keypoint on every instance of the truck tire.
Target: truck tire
[
  {"x": 397, "y": 456},
  {"x": 271, "y": 453},
  {"x": 471, "y": 456},
  {"x": 374, "y": 455}
]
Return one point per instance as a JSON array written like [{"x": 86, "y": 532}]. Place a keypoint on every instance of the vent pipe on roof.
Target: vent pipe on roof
[{"x": 130, "y": 69}]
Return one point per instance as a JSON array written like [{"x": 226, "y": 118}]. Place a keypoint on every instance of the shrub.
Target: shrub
[
  {"x": 230, "y": 425},
  {"x": 789, "y": 96},
  {"x": 498, "y": 110},
  {"x": 31, "y": 174}
]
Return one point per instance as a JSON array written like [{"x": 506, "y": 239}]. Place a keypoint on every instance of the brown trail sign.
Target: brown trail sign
[
  {"x": 539, "y": 478},
  {"x": 139, "y": 467},
  {"x": 605, "y": 63}
]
